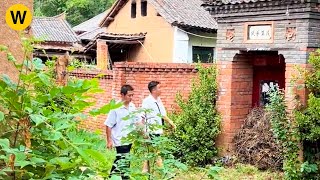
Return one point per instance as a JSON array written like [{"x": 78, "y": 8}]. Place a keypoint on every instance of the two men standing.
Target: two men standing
[{"x": 117, "y": 127}]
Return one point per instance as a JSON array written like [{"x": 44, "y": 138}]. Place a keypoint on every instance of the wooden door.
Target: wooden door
[{"x": 268, "y": 71}]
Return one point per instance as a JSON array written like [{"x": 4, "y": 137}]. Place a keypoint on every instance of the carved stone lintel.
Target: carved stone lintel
[
  {"x": 291, "y": 33},
  {"x": 230, "y": 35}
]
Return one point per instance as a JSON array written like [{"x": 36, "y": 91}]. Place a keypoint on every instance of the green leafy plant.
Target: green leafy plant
[
  {"x": 286, "y": 132},
  {"x": 198, "y": 123},
  {"x": 213, "y": 172},
  {"x": 146, "y": 149},
  {"x": 308, "y": 168},
  {"x": 308, "y": 117},
  {"x": 39, "y": 137}
]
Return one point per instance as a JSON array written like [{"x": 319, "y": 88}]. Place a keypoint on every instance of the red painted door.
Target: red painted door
[{"x": 268, "y": 71}]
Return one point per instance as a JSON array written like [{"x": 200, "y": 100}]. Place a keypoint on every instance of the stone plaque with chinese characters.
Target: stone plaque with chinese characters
[{"x": 259, "y": 32}]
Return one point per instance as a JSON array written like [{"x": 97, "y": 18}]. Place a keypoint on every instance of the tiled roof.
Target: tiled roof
[
  {"x": 176, "y": 12},
  {"x": 185, "y": 13},
  {"x": 226, "y": 2},
  {"x": 53, "y": 29},
  {"x": 92, "y": 34},
  {"x": 91, "y": 24},
  {"x": 116, "y": 38}
]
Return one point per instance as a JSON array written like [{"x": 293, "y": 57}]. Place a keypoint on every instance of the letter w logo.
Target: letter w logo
[{"x": 18, "y": 16}]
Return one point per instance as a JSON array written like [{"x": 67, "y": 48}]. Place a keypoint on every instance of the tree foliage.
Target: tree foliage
[
  {"x": 77, "y": 10},
  {"x": 308, "y": 118},
  {"x": 286, "y": 133},
  {"x": 198, "y": 123},
  {"x": 39, "y": 137},
  {"x": 147, "y": 149},
  {"x": 304, "y": 130}
]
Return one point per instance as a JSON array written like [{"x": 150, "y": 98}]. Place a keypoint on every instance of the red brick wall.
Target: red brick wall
[
  {"x": 295, "y": 92},
  {"x": 105, "y": 82},
  {"x": 234, "y": 99},
  {"x": 174, "y": 78},
  {"x": 11, "y": 39}
]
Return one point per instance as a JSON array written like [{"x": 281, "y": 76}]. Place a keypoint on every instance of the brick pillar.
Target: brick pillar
[
  {"x": 102, "y": 54},
  {"x": 224, "y": 103},
  {"x": 234, "y": 98},
  {"x": 295, "y": 91},
  {"x": 119, "y": 78}
]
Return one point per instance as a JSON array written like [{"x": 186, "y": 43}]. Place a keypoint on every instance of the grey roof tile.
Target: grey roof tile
[
  {"x": 176, "y": 12},
  {"x": 185, "y": 13},
  {"x": 91, "y": 24},
  {"x": 53, "y": 29}
]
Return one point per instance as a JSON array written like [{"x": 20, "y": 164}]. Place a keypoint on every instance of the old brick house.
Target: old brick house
[
  {"x": 10, "y": 38},
  {"x": 152, "y": 31},
  {"x": 57, "y": 37},
  {"x": 259, "y": 44}
]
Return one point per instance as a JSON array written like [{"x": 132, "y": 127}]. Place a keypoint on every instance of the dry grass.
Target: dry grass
[
  {"x": 255, "y": 143},
  {"x": 239, "y": 172}
]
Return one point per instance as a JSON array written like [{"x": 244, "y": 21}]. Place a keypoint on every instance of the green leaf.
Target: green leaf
[
  {"x": 4, "y": 143},
  {"x": 1, "y": 116},
  {"x": 106, "y": 108},
  {"x": 38, "y": 119},
  {"x": 11, "y": 58},
  {"x": 54, "y": 91},
  {"x": 27, "y": 64},
  {"x": 69, "y": 90},
  {"x": 3, "y": 48},
  {"x": 37, "y": 64},
  {"x": 4, "y": 157},
  {"x": 5, "y": 171},
  {"x": 8, "y": 81},
  {"x": 44, "y": 78},
  {"x": 49, "y": 170},
  {"x": 54, "y": 136},
  {"x": 64, "y": 162},
  {"x": 115, "y": 177},
  {"x": 96, "y": 155},
  {"x": 62, "y": 125},
  {"x": 84, "y": 155},
  {"x": 71, "y": 68},
  {"x": 93, "y": 83},
  {"x": 35, "y": 160},
  {"x": 22, "y": 164}
]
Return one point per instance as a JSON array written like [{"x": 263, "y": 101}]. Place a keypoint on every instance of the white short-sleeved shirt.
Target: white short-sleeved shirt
[
  {"x": 157, "y": 108},
  {"x": 119, "y": 126}
]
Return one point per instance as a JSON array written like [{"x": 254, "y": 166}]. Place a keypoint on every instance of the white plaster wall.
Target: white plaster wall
[{"x": 183, "y": 43}]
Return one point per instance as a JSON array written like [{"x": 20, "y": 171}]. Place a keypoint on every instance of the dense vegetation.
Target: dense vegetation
[
  {"x": 77, "y": 11},
  {"x": 198, "y": 122},
  {"x": 39, "y": 137}
]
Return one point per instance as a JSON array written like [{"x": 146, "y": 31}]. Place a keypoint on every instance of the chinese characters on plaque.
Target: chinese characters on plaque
[{"x": 259, "y": 32}]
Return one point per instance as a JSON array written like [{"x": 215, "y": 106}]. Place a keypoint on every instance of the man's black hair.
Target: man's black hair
[
  {"x": 152, "y": 85},
  {"x": 125, "y": 89}
]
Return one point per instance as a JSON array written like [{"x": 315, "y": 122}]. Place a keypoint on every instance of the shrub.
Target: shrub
[
  {"x": 198, "y": 123},
  {"x": 39, "y": 137},
  {"x": 286, "y": 133}
]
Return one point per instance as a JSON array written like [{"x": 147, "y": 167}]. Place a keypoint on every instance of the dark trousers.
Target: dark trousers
[{"x": 117, "y": 167}]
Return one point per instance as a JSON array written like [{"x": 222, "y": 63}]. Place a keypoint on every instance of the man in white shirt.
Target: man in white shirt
[
  {"x": 117, "y": 127},
  {"x": 157, "y": 115}
]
